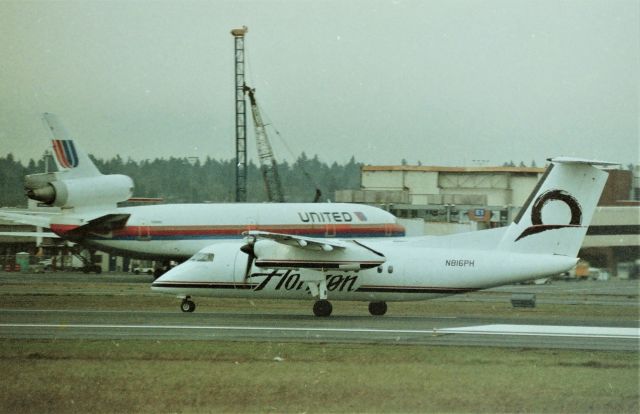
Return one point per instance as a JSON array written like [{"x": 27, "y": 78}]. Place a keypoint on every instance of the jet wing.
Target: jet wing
[
  {"x": 102, "y": 224},
  {"x": 275, "y": 250}
]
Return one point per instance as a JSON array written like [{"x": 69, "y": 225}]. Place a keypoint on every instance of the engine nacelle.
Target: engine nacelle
[{"x": 79, "y": 192}]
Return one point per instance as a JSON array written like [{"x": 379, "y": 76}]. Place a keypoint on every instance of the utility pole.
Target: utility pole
[{"x": 241, "y": 116}]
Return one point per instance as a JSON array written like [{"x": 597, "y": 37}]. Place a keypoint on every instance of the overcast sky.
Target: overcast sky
[{"x": 440, "y": 82}]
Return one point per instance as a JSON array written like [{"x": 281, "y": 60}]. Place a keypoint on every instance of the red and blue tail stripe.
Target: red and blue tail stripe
[{"x": 65, "y": 152}]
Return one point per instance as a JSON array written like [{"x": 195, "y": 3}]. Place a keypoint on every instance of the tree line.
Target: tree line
[{"x": 188, "y": 180}]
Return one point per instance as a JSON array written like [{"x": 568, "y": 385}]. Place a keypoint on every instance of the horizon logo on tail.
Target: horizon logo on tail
[
  {"x": 65, "y": 152},
  {"x": 536, "y": 212}
]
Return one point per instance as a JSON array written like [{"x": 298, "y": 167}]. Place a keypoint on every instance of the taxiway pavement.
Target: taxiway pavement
[
  {"x": 533, "y": 331},
  {"x": 87, "y": 324}
]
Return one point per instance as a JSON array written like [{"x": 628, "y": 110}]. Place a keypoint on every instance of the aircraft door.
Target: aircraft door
[
  {"x": 251, "y": 224},
  {"x": 330, "y": 230},
  {"x": 144, "y": 233}
]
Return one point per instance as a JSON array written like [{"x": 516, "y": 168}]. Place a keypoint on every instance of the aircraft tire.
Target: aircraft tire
[
  {"x": 377, "y": 308},
  {"x": 187, "y": 306},
  {"x": 322, "y": 308}
]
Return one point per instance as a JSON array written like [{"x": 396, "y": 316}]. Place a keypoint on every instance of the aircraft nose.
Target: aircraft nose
[{"x": 167, "y": 280}]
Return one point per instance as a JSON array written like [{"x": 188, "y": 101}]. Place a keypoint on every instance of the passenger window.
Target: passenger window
[
  {"x": 379, "y": 269},
  {"x": 390, "y": 269}
]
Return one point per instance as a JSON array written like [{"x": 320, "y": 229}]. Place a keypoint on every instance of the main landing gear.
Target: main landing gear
[
  {"x": 377, "y": 308},
  {"x": 322, "y": 307},
  {"x": 187, "y": 305}
]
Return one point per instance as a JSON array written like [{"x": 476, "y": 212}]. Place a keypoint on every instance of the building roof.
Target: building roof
[{"x": 425, "y": 168}]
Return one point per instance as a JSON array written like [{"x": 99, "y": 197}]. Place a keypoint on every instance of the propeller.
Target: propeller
[{"x": 248, "y": 249}]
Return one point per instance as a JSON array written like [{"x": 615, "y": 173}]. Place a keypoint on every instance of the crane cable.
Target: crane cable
[
  {"x": 269, "y": 122},
  {"x": 286, "y": 146}
]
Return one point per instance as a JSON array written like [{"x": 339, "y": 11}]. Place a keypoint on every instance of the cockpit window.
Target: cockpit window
[{"x": 202, "y": 257}]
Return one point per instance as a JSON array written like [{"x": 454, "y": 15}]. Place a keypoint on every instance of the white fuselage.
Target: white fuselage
[
  {"x": 413, "y": 270},
  {"x": 178, "y": 231}
]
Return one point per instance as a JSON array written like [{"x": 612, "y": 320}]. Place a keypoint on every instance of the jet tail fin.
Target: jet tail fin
[
  {"x": 555, "y": 218},
  {"x": 70, "y": 158},
  {"x": 78, "y": 183}
]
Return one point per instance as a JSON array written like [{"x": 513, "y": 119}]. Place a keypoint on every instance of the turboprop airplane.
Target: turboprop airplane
[
  {"x": 88, "y": 212},
  {"x": 543, "y": 240}
]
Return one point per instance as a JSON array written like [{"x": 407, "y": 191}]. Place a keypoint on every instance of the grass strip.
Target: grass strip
[{"x": 201, "y": 376}]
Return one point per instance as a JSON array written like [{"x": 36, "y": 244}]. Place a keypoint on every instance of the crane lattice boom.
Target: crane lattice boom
[{"x": 268, "y": 164}]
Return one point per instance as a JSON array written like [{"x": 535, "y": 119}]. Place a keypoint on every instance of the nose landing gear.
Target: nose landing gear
[{"x": 187, "y": 305}]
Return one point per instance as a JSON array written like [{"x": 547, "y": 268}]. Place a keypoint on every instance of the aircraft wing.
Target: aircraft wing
[
  {"x": 275, "y": 250},
  {"x": 102, "y": 224},
  {"x": 297, "y": 241}
]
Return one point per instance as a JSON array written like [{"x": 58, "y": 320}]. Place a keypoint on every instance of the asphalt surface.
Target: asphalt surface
[{"x": 530, "y": 332}]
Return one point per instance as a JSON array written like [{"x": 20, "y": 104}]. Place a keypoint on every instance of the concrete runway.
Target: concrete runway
[
  {"x": 532, "y": 332},
  {"x": 87, "y": 324}
]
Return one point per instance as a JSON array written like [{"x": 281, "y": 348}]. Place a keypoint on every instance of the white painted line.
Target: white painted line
[
  {"x": 517, "y": 330},
  {"x": 547, "y": 330},
  {"x": 218, "y": 328}
]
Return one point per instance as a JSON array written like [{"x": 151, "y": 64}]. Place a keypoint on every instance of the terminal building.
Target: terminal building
[{"x": 443, "y": 200}]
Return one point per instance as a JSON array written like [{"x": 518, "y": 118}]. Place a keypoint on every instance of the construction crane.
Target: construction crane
[
  {"x": 268, "y": 164},
  {"x": 265, "y": 153}
]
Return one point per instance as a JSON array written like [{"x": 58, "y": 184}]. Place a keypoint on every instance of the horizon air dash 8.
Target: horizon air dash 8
[{"x": 543, "y": 240}]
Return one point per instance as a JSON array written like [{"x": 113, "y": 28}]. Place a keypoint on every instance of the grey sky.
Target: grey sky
[{"x": 441, "y": 82}]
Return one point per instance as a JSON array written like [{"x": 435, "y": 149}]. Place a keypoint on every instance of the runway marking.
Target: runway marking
[
  {"x": 219, "y": 328},
  {"x": 497, "y": 329},
  {"x": 547, "y": 330}
]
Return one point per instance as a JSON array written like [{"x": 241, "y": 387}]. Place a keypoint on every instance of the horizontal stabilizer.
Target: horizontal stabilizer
[
  {"x": 572, "y": 160},
  {"x": 30, "y": 219},
  {"x": 35, "y": 234}
]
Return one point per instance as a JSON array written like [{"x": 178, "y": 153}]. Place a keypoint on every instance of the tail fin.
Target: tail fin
[
  {"x": 555, "y": 218},
  {"x": 70, "y": 159}
]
